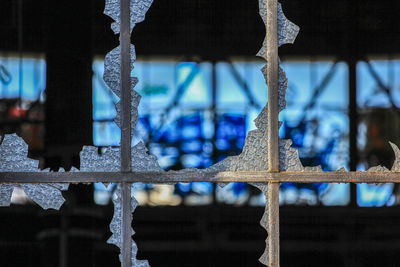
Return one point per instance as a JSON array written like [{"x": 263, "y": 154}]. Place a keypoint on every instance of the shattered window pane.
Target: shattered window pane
[
  {"x": 13, "y": 155},
  {"x": 252, "y": 148},
  {"x": 115, "y": 227},
  {"x": 141, "y": 161},
  {"x": 254, "y": 155}
]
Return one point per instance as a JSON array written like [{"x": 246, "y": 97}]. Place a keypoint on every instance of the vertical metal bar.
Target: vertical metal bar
[
  {"x": 125, "y": 58},
  {"x": 273, "y": 224},
  {"x": 126, "y": 228},
  {"x": 272, "y": 81},
  {"x": 20, "y": 47},
  {"x": 352, "y": 58},
  {"x": 214, "y": 117},
  {"x": 273, "y": 130},
  {"x": 125, "y": 63},
  {"x": 353, "y": 122}
]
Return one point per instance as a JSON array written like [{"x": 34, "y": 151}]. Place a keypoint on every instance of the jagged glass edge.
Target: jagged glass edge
[
  {"x": 254, "y": 154},
  {"x": 251, "y": 158},
  {"x": 110, "y": 160},
  {"x": 115, "y": 227},
  {"x": 14, "y": 157}
]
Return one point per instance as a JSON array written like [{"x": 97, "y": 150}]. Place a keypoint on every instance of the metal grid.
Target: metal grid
[{"x": 273, "y": 176}]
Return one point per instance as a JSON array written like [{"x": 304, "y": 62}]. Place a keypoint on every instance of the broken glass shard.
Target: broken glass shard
[
  {"x": 45, "y": 195},
  {"x": 109, "y": 160},
  {"x": 287, "y": 30},
  {"x": 396, "y": 163},
  {"x": 13, "y": 157},
  {"x": 92, "y": 161},
  {"x": 138, "y": 10},
  {"x": 116, "y": 230},
  {"x": 6, "y": 191}
]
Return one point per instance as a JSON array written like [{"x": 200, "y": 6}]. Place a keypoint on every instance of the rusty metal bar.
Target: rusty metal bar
[
  {"x": 125, "y": 78},
  {"x": 214, "y": 177},
  {"x": 273, "y": 224},
  {"x": 273, "y": 130},
  {"x": 272, "y": 81}
]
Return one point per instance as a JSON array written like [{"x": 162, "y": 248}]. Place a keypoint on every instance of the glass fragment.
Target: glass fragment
[
  {"x": 116, "y": 224},
  {"x": 13, "y": 155}
]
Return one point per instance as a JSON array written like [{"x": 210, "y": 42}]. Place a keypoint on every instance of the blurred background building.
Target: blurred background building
[{"x": 201, "y": 88}]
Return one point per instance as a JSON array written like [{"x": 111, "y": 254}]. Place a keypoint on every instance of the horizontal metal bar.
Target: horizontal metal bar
[{"x": 214, "y": 177}]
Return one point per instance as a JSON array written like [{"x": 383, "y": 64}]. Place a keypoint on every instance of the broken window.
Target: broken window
[{"x": 265, "y": 160}]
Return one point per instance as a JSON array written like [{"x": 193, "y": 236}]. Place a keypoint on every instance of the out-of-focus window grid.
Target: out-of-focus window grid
[
  {"x": 185, "y": 123},
  {"x": 177, "y": 121},
  {"x": 378, "y": 100},
  {"x": 22, "y": 85}
]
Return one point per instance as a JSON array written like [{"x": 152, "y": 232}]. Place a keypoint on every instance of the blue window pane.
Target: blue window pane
[
  {"x": 316, "y": 120},
  {"x": 25, "y": 77},
  {"x": 374, "y": 195},
  {"x": 377, "y": 94},
  {"x": 106, "y": 134},
  {"x": 178, "y": 125}
]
